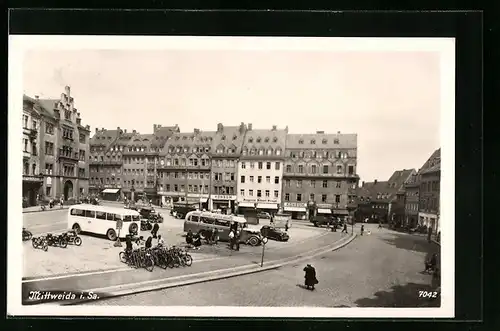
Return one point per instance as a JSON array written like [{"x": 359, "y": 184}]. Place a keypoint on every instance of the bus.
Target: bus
[
  {"x": 202, "y": 222},
  {"x": 102, "y": 220}
]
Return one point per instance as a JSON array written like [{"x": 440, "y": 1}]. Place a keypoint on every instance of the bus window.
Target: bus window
[
  {"x": 206, "y": 220},
  {"x": 127, "y": 218},
  {"x": 110, "y": 217},
  {"x": 118, "y": 217},
  {"x": 195, "y": 218},
  {"x": 77, "y": 212},
  {"x": 136, "y": 218},
  {"x": 90, "y": 213},
  {"x": 220, "y": 223},
  {"x": 100, "y": 215}
]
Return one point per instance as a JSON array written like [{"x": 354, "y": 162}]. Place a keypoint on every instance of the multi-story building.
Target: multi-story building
[
  {"x": 429, "y": 192},
  {"x": 378, "y": 200},
  {"x": 225, "y": 152},
  {"x": 160, "y": 137},
  {"x": 260, "y": 170},
  {"x": 320, "y": 174},
  {"x": 63, "y": 147},
  {"x": 184, "y": 167},
  {"x": 32, "y": 174},
  {"x": 412, "y": 201}
]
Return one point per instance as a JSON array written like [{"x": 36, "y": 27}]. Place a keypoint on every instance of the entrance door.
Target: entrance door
[{"x": 68, "y": 190}]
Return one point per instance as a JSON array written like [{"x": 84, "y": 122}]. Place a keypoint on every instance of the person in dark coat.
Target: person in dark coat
[
  {"x": 189, "y": 237},
  {"x": 154, "y": 232},
  {"x": 430, "y": 265},
  {"x": 197, "y": 241},
  {"x": 149, "y": 242},
  {"x": 362, "y": 229},
  {"x": 344, "y": 230},
  {"x": 310, "y": 277}
]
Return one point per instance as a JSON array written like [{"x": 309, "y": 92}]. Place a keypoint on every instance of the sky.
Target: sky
[{"x": 390, "y": 99}]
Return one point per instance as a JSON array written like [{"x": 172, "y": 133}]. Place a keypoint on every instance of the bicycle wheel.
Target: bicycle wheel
[
  {"x": 177, "y": 262},
  {"x": 35, "y": 242},
  {"x": 149, "y": 264},
  {"x": 63, "y": 243},
  {"x": 45, "y": 246},
  {"x": 29, "y": 235},
  {"x": 123, "y": 257},
  {"x": 188, "y": 260},
  {"x": 170, "y": 262}
]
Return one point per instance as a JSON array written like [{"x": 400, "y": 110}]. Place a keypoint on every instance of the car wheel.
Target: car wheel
[
  {"x": 111, "y": 235},
  {"x": 77, "y": 228},
  {"x": 78, "y": 241},
  {"x": 253, "y": 241}
]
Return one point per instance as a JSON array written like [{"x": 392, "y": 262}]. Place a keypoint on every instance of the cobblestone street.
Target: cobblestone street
[{"x": 378, "y": 270}]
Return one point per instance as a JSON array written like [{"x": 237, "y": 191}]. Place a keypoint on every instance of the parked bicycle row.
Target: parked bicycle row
[
  {"x": 163, "y": 257},
  {"x": 61, "y": 240}
]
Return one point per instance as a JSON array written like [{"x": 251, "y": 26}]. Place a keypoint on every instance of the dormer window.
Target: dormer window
[
  {"x": 244, "y": 151},
  {"x": 278, "y": 152},
  {"x": 252, "y": 151},
  {"x": 336, "y": 141},
  {"x": 250, "y": 140},
  {"x": 223, "y": 138},
  {"x": 261, "y": 151},
  {"x": 177, "y": 138},
  {"x": 313, "y": 142},
  {"x": 234, "y": 137},
  {"x": 184, "y": 137},
  {"x": 301, "y": 142},
  {"x": 258, "y": 139},
  {"x": 269, "y": 152},
  {"x": 275, "y": 139},
  {"x": 266, "y": 140},
  {"x": 324, "y": 141}
]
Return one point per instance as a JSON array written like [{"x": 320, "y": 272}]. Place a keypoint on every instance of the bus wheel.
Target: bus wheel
[
  {"x": 111, "y": 234},
  {"x": 77, "y": 228}
]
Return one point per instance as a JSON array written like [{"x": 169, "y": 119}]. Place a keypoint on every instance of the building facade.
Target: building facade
[
  {"x": 184, "y": 168},
  {"x": 429, "y": 192},
  {"x": 412, "y": 201},
  {"x": 260, "y": 170},
  {"x": 225, "y": 153},
  {"x": 62, "y": 145},
  {"x": 320, "y": 174}
]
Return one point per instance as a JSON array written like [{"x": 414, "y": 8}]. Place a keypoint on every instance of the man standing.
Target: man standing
[
  {"x": 155, "y": 229},
  {"x": 231, "y": 239},
  {"x": 362, "y": 229},
  {"x": 344, "y": 230}
]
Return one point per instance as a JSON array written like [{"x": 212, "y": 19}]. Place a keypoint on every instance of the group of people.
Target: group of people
[{"x": 193, "y": 239}]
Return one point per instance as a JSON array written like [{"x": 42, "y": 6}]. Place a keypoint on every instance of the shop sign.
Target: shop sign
[
  {"x": 261, "y": 200},
  {"x": 197, "y": 195},
  {"x": 324, "y": 205},
  {"x": 223, "y": 197},
  {"x": 32, "y": 178},
  {"x": 295, "y": 204}
]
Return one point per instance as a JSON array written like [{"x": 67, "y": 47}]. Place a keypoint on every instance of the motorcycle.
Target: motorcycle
[
  {"x": 40, "y": 242},
  {"x": 59, "y": 241},
  {"x": 146, "y": 225},
  {"x": 27, "y": 235},
  {"x": 72, "y": 238}
]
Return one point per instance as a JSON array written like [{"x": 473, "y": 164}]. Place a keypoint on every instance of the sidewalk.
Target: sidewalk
[{"x": 34, "y": 209}]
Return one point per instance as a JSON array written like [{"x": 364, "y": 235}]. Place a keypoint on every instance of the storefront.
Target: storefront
[
  {"x": 341, "y": 213},
  {"x": 429, "y": 220},
  {"x": 246, "y": 208},
  {"x": 298, "y": 210},
  {"x": 111, "y": 194},
  {"x": 32, "y": 187},
  {"x": 324, "y": 209},
  {"x": 225, "y": 203}
]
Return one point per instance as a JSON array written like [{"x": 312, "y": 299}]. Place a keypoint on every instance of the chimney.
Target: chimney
[
  {"x": 197, "y": 131},
  {"x": 338, "y": 132},
  {"x": 125, "y": 131},
  {"x": 363, "y": 184},
  {"x": 87, "y": 127},
  {"x": 274, "y": 127},
  {"x": 286, "y": 129},
  {"x": 118, "y": 129},
  {"x": 375, "y": 181},
  {"x": 67, "y": 89},
  {"x": 133, "y": 131},
  {"x": 36, "y": 97},
  {"x": 320, "y": 132},
  {"x": 158, "y": 126},
  {"x": 154, "y": 128},
  {"x": 96, "y": 130},
  {"x": 242, "y": 128},
  {"x": 220, "y": 127},
  {"x": 102, "y": 129},
  {"x": 249, "y": 126}
]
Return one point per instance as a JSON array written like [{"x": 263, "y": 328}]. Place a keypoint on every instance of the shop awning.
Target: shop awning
[
  {"x": 203, "y": 200},
  {"x": 111, "y": 190},
  {"x": 324, "y": 211},
  {"x": 246, "y": 204},
  {"x": 303, "y": 210},
  {"x": 340, "y": 212},
  {"x": 267, "y": 206}
]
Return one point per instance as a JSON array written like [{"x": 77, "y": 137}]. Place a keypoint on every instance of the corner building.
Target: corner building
[
  {"x": 184, "y": 169},
  {"x": 225, "y": 152},
  {"x": 260, "y": 170},
  {"x": 62, "y": 147},
  {"x": 320, "y": 174}
]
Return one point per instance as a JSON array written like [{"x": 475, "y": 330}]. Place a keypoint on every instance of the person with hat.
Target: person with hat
[{"x": 310, "y": 277}]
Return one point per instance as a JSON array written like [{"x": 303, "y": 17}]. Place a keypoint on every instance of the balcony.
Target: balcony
[{"x": 73, "y": 156}]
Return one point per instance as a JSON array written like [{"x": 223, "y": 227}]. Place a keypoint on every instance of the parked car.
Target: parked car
[
  {"x": 322, "y": 220},
  {"x": 180, "y": 209},
  {"x": 263, "y": 215},
  {"x": 151, "y": 214},
  {"x": 274, "y": 233}
]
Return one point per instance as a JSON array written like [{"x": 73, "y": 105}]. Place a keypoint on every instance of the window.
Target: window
[
  {"x": 268, "y": 179},
  {"x": 100, "y": 215},
  {"x": 26, "y": 168},
  {"x": 337, "y": 198},
  {"x": 267, "y": 193},
  {"x": 336, "y": 141},
  {"x": 338, "y": 184},
  {"x": 287, "y": 182},
  {"x": 299, "y": 197},
  {"x": 252, "y": 165},
  {"x": 25, "y": 144},
  {"x": 90, "y": 213},
  {"x": 325, "y": 169},
  {"x": 276, "y": 194},
  {"x": 47, "y": 190},
  {"x": 288, "y": 168},
  {"x": 49, "y": 128},
  {"x": 311, "y": 196},
  {"x": 25, "y": 121},
  {"x": 276, "y": 180},
  {"x": 277, "y": 166},
  {"x": 242, "y": 179},
  {"x": 250, "y": 193},
  {"x": 49, "y": 167},
  {"x": 242, "y": 193},
  {"x": 299, "y": 183},
  {"x": 339, "y": 169},
  {"x": 259, "y": 179},
  {"x": 251, "y": 179},
  {"x": 287, "y": 196},
  {"x": 268, "y": 165},
  {"x": 350, "y": 170},
  {"x": 260, "y": 165},
  {"x": 325, "y": 184},
  {"x": 82, "y": 138},
  {"x": 313, "y": 183},
  {"x": 77, "y": 212},
  {"x": 313, "y": 169},
  {"x": 301, "y": 168},
  {"x": 323, "y": 198},
  {"x": 176, "y": 188},
  {"x": 259, "y": 193},
  {"x": 243, "y": 165}
]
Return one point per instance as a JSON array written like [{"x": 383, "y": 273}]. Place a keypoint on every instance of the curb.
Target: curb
[
  {"x": 39, "y": 210},
  {"x": 248, "y": 269},
  {"x": 436, "y": 242}
]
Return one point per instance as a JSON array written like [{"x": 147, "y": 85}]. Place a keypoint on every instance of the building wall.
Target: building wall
[
  {"x": 411, "y": 204},
  {"x": 250, "y": 169},
  {"x": 429, "y": 194}
]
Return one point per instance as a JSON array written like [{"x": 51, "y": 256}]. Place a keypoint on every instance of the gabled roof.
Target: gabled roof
[
  {"x": 386, "y": 189},
  {"x": 161, "y": 135},
  {"x": 104, "y": 137},
  {"x": 433, "y": 163},
  {"x": 48, "y": 106},
  {"x": 265, "y": 139},
  {"x": 321, "y": 141}
]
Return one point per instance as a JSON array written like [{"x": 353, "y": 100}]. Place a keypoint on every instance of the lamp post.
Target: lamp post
[{"x": 264, "y": 242}]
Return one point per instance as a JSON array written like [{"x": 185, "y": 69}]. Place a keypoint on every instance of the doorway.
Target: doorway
[{"x": 68, "y": 190}]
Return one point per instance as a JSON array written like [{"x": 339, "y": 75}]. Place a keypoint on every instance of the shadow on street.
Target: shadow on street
[
  {"x": 411, "y": 243},
  {"x": 401, "y": 296}
]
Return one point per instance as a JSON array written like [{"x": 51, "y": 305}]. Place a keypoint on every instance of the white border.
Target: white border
[{"x": 445, "y": 46}]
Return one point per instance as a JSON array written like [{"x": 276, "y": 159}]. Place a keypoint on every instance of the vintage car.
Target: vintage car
[
  {"x": 322, "y": 220},
  {"x": 150, "y": 214},
  {"x": 274, "y": 233},
  {"x": 263, "y": 215},
  {"x": 180, "y": 209}
]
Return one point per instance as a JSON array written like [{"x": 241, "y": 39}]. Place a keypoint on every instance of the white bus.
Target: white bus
[{"x": 103, "y": 220}]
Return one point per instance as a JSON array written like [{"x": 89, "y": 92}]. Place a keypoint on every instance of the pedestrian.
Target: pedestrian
[
  {"x": 189, "y": 237},
  {"x": 149, "y": 242},
  {"x": 216, "y": 236},
  {"x": 155, "y": 229},
  {"x": 362, "y": 229},
  {"x": 231, "y": 239},
  {"x": 161, "y": 242},
  {"x": 237, "y": 240},
  {"x": 286, "y": 226},
  {"x": 429, "y": 234},
  {"x": 212, "y": 236},
  {"x": 62, "y": 202},
  {"x": 380, "y": 225},
  {"x": 197, "y": 241},
  {"x": 310, "y": 277},
  {"x": 344, "y": 230}
]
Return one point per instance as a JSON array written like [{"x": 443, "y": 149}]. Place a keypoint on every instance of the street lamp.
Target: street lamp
[{"x": 264, "y": 242}]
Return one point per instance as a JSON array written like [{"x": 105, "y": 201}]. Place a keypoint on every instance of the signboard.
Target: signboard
[
  {"x": 49, "y": 181},
  {"x": 223, "y": 197},
  {"x": 262, "y": 200},
  {"x": 295, "y": 204},
  {"x": 324, "y": 205},
  {"x": 32, "y": 178}
]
